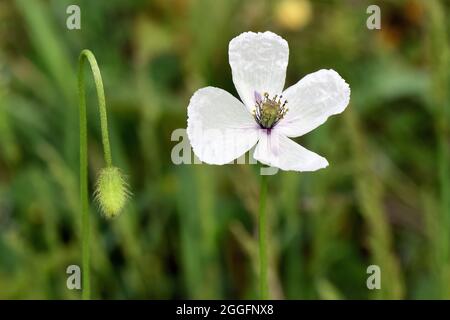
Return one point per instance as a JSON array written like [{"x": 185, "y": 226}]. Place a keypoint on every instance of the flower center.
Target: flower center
[{"x": 269, "y": 112}]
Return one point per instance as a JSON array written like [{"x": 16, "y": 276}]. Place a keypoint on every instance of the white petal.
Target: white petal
[
  {"x": 258, "y": 63},
  {"x": 312, "y": 100},
  {"x": 219, "y": 128},
  {"x": 277, "y": 150}
]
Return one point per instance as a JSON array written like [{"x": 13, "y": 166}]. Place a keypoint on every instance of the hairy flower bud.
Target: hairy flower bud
[{"x": 111, "y": 191}]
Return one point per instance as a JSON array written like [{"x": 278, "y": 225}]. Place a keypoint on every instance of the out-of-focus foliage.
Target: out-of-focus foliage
[{"x": 190, "y": 230}]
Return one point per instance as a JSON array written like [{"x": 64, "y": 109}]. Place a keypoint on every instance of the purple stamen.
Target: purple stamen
[
  {"x": 258, "y": 98},
  {"x": 269, "y": 112}
]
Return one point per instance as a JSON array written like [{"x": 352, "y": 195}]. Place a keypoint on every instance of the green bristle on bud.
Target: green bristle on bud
[{"x": 111, "y": 192}]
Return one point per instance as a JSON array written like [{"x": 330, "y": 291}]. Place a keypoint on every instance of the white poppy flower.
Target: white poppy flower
[{"x": 221, "y": 128}]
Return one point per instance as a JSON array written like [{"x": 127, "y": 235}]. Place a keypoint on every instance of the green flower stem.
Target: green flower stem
[
  {"x": 439, "y": 62},
  {"x": 85, "y": 221},
  {"x": 263, "y": 274}
]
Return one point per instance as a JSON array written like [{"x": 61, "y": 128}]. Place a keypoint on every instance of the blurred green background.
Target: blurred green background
[{"x": 190, "y": 230}]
